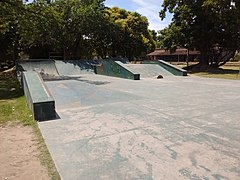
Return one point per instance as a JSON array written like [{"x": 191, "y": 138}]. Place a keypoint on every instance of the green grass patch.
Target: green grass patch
[
  {"x": 222, "y": 73},
  {"x": 13, "y": 108},
  {"x": 221, "y": 76},
  {"x": 12, "y": 102},
  {"x": 228, "y": 71}
]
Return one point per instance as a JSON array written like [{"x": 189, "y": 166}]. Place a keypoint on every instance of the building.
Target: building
[{"x": 180, "y": 55}]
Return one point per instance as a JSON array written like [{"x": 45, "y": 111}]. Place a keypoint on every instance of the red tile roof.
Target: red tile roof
[{"x": 179, "y": 51}]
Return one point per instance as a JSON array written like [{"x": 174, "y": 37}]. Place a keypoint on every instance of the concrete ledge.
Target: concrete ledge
[
  {"x": 174, "y": 70},
  {"x": 116, "y": 69},
  {"x": 38, "y": 97}
]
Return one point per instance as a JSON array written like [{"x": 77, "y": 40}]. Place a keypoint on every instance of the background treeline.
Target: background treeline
[
  {"x": 87, "y": 29},
  {"x": 210, "y": 26},
  {"x": 77, "y": 28}
]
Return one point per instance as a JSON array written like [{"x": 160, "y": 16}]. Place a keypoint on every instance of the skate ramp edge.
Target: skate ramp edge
[
  {"x": 116, "y": 69},
  {"x": 173, "y": 69},
  {"x": 39, "y": 99},
  {"x": 75, "y": 67},
  {"x": 45, "y": 66}
]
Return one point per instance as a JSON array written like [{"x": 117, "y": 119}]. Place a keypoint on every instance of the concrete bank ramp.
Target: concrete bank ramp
[
  {"x": 42, "y": 66},
  {"x": 116, "y": 69},
  {"x": 149, "y": 70},
  {"x": 75, "y": 67}
]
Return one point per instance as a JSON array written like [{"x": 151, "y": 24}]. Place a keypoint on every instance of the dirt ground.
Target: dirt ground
[{"x": 19, "y": 154}]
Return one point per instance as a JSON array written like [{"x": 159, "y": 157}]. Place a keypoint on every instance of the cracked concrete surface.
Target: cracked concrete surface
[{"x": 173, "y": 128}]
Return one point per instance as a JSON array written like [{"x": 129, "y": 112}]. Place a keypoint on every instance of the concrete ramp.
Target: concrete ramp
[
  {"x": 116, "y": 69},
  {"x": 41, "y": 66},
  {"x": 173, "y": 69},
  {"x": 74, "y": 67},
  {"x": 148, "y": 70}
]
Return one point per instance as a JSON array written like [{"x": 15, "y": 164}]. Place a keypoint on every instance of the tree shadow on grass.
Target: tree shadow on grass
[
  {"x": 222, "y": 71},
  {"x": 197, "y": 68},
  {"x": 9, "y": 87}
]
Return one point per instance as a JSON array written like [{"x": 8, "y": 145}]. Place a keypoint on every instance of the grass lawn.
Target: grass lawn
[
  {"x": 223, "y": 73},
  {"x": 14, "y": 109},
  {"x": 228, "y": 71}
]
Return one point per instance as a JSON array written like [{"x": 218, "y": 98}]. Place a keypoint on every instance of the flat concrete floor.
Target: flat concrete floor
[{"x": 171, "y": 128}]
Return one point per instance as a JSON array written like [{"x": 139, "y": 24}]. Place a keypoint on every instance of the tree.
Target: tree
[
  {"x": 130, "y": 36},
  {"x": 203, "y": 24},
  {"x": 64, "y": 26},
  {"x": 79, "y": 28},
  {"x": 13, "y": 14},
  {"x": 171, "y": 37},
  {"x": 9, "y": 16}
]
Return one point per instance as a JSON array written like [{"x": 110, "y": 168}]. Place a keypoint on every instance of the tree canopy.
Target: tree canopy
[
  {"x": 205, "y": 25},
  {"x": 79, "y": 28},
  {"x": 129, "y": 35}
]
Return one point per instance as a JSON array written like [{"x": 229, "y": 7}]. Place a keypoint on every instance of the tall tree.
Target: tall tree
[
  {"x": 9, "y": 17},
  {"x": 203, "y": 24},
  {"x": 15, "y": 15},
  {"x": 80, "y": 28},
  {"x": 130, "y": 36},
  {"x": 64, "y": 26}
]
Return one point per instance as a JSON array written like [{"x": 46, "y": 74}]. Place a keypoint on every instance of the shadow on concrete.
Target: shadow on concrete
[
  {"x": 76, "y": 78},
  {"x": 57, "y": 117},
  {"x": 83, "y": 64}
]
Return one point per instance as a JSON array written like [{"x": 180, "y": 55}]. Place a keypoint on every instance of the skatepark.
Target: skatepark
[{"x": 133, "y": 125}]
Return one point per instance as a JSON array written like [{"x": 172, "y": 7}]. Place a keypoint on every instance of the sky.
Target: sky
[{"x": 148, "y": 8}]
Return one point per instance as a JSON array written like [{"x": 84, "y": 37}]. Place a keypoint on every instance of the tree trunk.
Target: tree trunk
[
  {"x": 114, "y": 51},
  {"x": 76, "y": 47},
  {"x": 204, "y": 59},
  {"x": 187, "y": 59}
]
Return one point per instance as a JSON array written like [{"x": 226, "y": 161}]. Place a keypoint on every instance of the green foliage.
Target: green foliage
[
  {"x": 79, "y": 28},
  {"x": 9, "y": 87},
  {"x": 9, "y": 12},
  {"x": 129, "y": 36},
  {"x": 201, "y": 24},
  {"x": 171, "y": 37}
]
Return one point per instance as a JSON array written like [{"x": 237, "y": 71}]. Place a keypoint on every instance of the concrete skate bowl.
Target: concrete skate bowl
[
  {"x": 75, "y": 67},
  {"x": 42, "y": 66}
]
